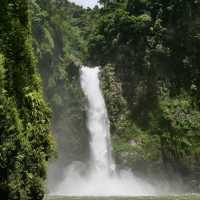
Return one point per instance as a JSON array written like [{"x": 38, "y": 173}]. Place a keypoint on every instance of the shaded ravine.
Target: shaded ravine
[{"x": 99, "y": 177}]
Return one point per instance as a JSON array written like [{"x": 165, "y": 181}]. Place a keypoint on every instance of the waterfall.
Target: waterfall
[
  {"x": 98, "y": 123},
  {"x": 101, "y": 177}
]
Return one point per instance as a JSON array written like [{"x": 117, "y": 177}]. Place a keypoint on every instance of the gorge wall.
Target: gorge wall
[
  {"x": 26, "y": 143},
  {"x": 148, "y": 53}
]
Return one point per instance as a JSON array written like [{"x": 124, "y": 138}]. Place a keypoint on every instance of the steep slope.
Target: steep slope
[
  {"x": 25, "y": 140},
  {"x": 61, "y": 30},
  {"x": 149, "y": 51}
]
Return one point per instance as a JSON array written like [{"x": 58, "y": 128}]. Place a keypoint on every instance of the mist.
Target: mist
[{"x": 99, "y": 175}]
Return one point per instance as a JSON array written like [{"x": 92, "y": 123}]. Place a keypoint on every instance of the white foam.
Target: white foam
[{"x": 100, "y": 177}]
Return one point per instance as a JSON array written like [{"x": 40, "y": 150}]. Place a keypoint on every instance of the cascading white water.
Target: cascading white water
[
  {"x": 98, "y": 123},
  {"x": 101, "y": 178}
]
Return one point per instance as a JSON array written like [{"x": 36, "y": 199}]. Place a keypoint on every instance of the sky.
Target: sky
[{"x": 85, "y": 3}]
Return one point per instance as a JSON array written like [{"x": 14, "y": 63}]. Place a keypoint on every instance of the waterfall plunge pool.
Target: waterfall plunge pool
[{"x": 182, "y": 197}]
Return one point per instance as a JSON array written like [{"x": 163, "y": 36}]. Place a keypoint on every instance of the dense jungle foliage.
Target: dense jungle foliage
[
  {"x": 149, "y": 52},
  {"x": 25, "y": 140},
  {"x": 61, "y": 31}
]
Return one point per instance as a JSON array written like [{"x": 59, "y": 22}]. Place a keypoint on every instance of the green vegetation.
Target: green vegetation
[
  {"x": 25, "y": 140},
  {"x": 149, "y": 52},
  {"x": 61, "y": 31}
]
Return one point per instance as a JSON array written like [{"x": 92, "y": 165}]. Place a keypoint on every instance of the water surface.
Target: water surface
[{"x": 185, "y": 197}]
